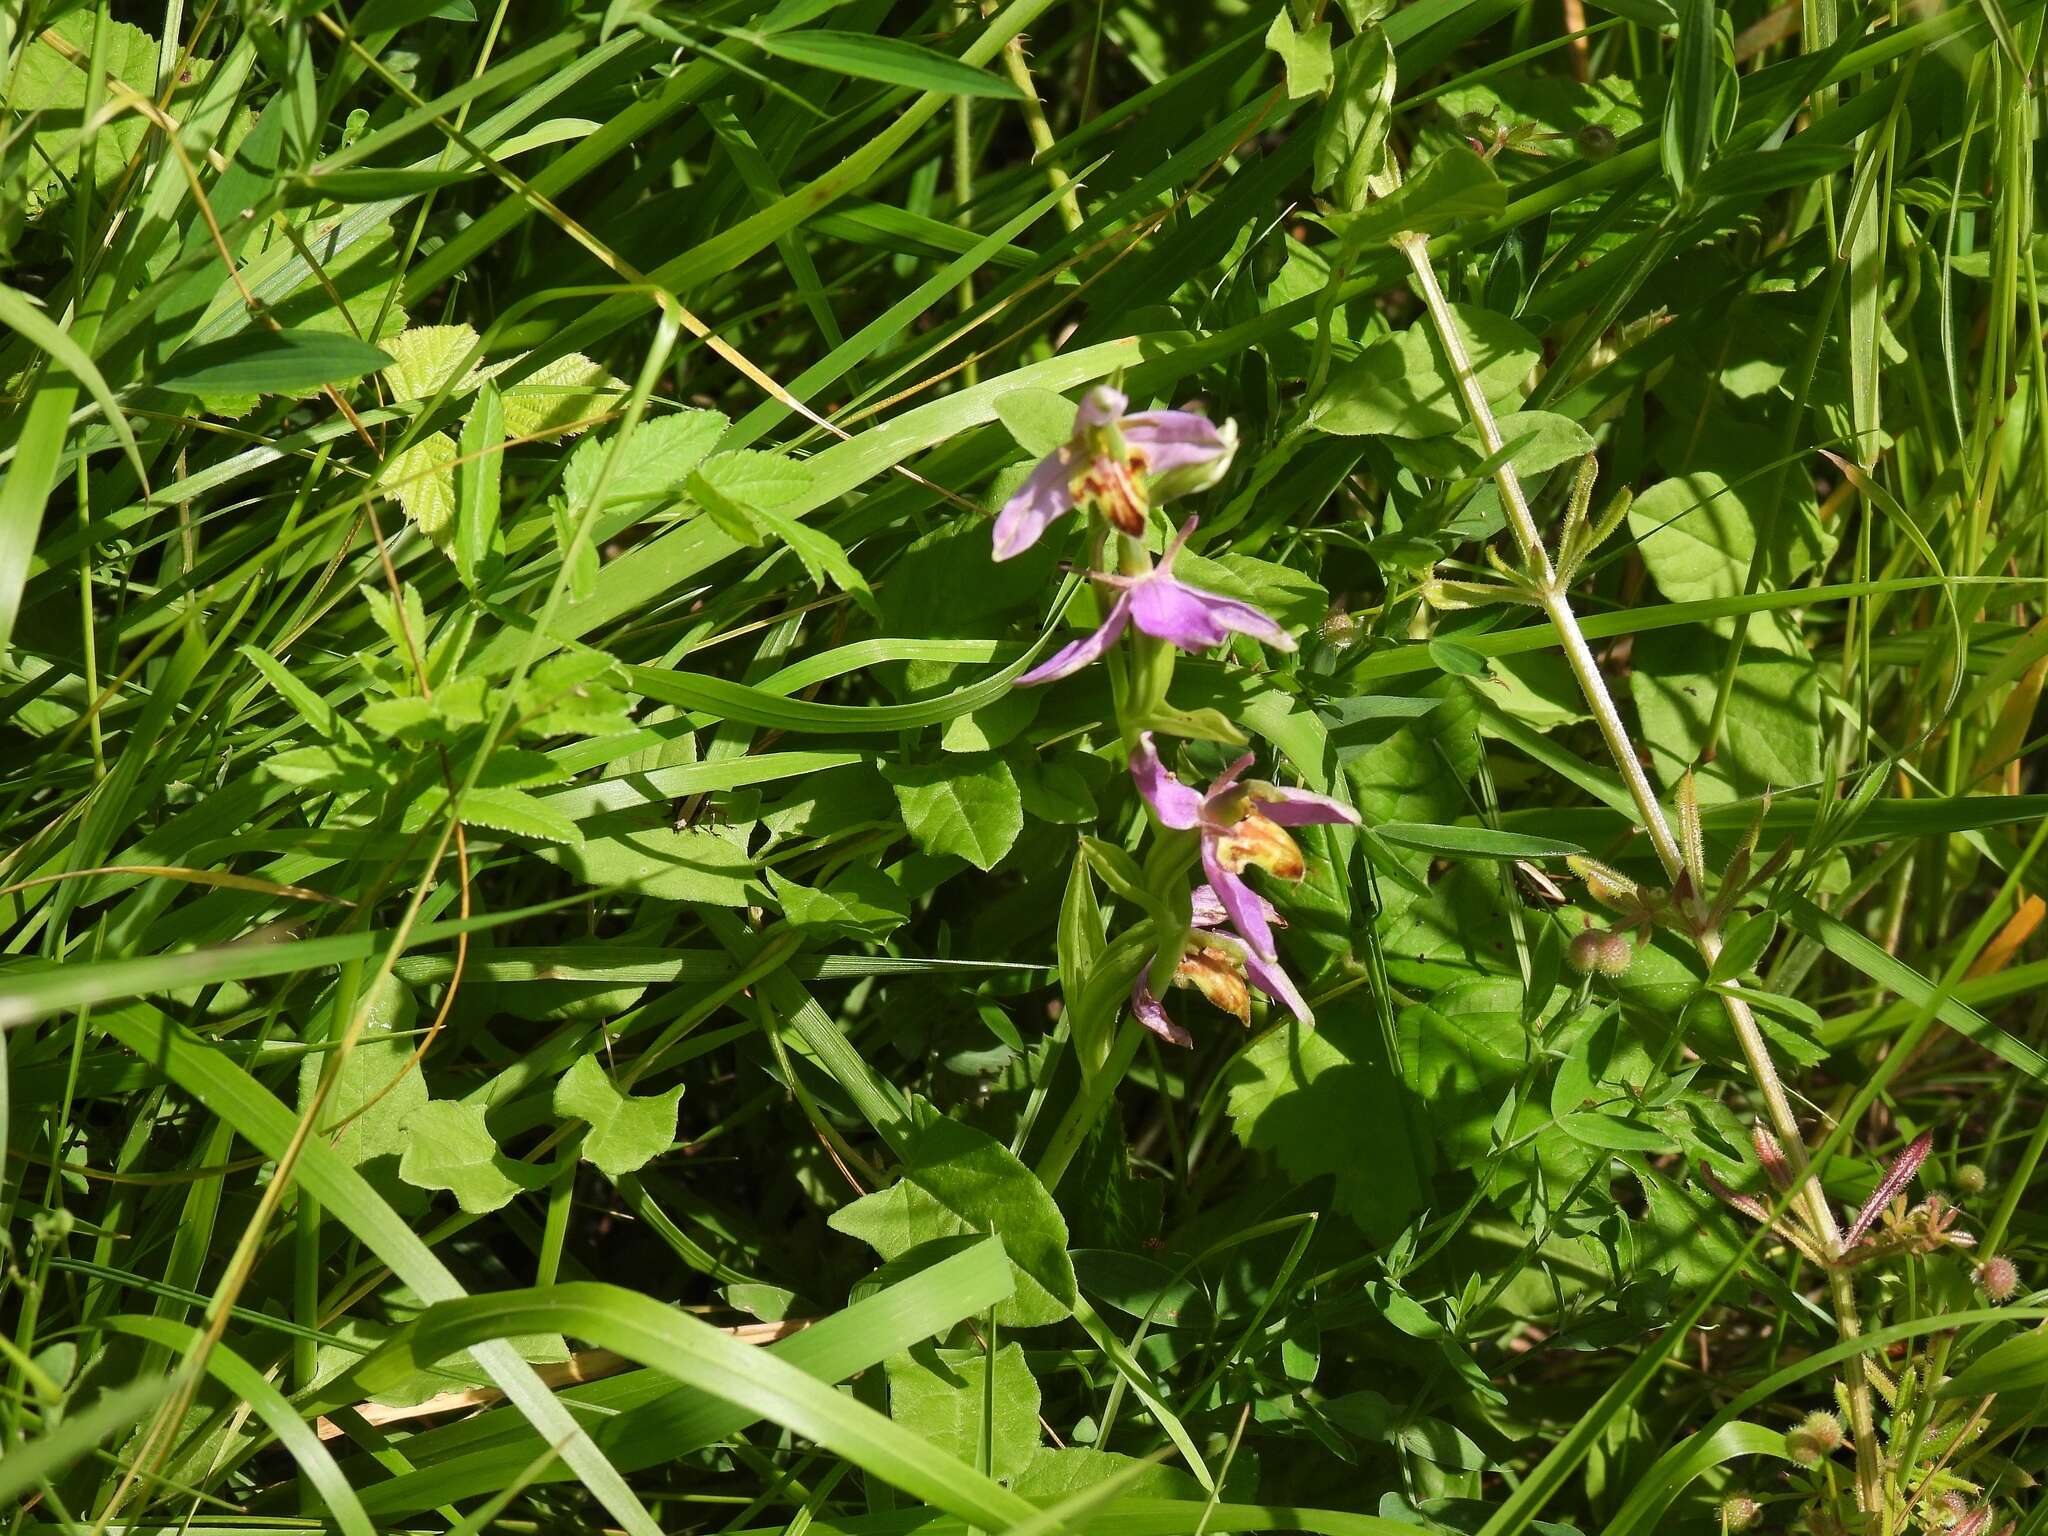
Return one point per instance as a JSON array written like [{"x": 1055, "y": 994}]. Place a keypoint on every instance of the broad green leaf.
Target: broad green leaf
[
  {"x": 1695, "y": 536},
  {"x": 858, "y": 902},
  {"x": 969, "y": 806},
  {"x": 379, "y": 1087},
  {"x": 659, "y": 860},
  {"x": 1351, "y": 139},
  {"x": 1455, "y": 187},
  {"x": 46, "y": 81},
  {"x": 1040, "y": 420},
  {"x": 479, "y": 539},
  {"x": 871, "y": 56},
  {"x": 1748, "y": 938},
  {"x": 1773, "y": 739},
  {"x": 1304, "y": 56},
  {"x": 514, "y": 811},
  {"x": 1325, "y": 1103},
  {"x": 946, "y": 1397},
  {"x": 448, "y": 1146},
  {"x": 265, "y": 362},
  {"x": 958, "y": 1182},
  {"x": 1402, "y": 387},
  {"x": 734, "y": 488},
  {"x": 626, "y": 1133}
]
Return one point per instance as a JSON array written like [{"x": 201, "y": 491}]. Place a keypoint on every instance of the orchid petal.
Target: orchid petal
[
  {"x": 1205, "y": 909},
  {"x": 1300, "y": 808},
  {"x": 1195, "y": 620},
  {"x": 1152, "y": 1014},
  {"x": 1044, "y": 497},
  {"x": 1180, "y": 615},
  {"x": 1184, "y": 451},
  {"x": 1172, "y": 802},
  {"x": 1073, "y": 658},
  {"x": 1240, "y": 901},
  {"x": 1278, "y": 985}
]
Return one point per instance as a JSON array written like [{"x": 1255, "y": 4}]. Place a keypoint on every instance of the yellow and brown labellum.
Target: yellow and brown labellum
[
  {"x": 1114, "y": 488},
  {"x": 1257, "y": 840},
  {"x": 1216, "y": 976}
]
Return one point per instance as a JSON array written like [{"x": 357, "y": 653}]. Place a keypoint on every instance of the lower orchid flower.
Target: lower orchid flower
[
  {"x": 1240, "y": 824},
  {"x": 1167, "y": 609},
  {"x": 1218, "y": 965},
  {"x": 1119, "y": 464}
]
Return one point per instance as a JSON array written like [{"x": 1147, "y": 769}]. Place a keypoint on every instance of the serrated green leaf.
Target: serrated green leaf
[
  {"x": 561, "y": 398},
  {"x": 427, "y": 357}
]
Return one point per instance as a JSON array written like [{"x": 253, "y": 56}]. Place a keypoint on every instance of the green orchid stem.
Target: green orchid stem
[
  {"x": 1556, "y": 606},
  {"x": 1172, "y": 855}
]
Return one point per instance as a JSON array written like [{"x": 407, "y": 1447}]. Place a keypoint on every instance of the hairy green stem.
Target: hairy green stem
[{"x": 1586, "y": 669}]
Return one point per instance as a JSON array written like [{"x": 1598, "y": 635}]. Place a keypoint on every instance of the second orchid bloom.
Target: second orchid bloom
[{"x": 1240, "y": 823}]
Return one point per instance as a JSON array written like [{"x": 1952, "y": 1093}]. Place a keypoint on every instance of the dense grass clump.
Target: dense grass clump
[{"x": 1122, "y": 766}]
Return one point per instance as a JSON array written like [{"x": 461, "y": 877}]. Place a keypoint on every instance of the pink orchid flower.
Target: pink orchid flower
[
  {"x": 1165, "y": 608},
  {"x": 1218, "y": 965},
  {"x": 1118, "y": 464},
  {"x": 1240, "y": 824}
]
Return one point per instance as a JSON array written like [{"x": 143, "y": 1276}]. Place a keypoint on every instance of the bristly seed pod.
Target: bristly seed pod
[
  {"x": 1739, "y": 1512},
  {"x": 1616, "y": 954},
  {"x": 1970, "y": 1180},
  {"x": 1998, "y": 1278},
  {"x": 1583, "y": 953},
  {"x": 1818, "y": 1435}
]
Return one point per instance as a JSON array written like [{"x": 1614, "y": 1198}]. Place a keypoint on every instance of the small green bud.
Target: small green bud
[{"x": 1970, "y": 1180}]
